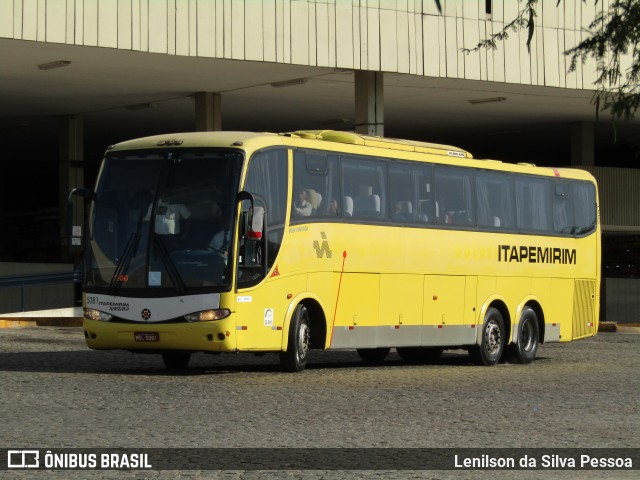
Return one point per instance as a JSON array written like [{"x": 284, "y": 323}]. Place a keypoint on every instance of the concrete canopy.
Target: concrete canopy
[{"x": 125, "y": 94}]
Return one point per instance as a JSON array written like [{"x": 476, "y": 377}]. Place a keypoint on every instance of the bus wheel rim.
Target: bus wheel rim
[
  {"x": 303, "y": 341},
  {"x": 526, "y": 337},
  {"x": 493, "y": 337}
]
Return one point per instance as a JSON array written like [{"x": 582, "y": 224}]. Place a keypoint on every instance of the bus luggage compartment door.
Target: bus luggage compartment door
[{"x": 443, "y": 314}]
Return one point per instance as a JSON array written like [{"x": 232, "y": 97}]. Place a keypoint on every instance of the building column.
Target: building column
[
  {"x": 208, "y": 112},
  {"x": 582, "y": 144},
  {"x": 369, "y": 103},
  {"x": 71, "y": 167}
]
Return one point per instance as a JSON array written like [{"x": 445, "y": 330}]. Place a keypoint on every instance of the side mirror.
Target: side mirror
[
  {"x": 75, "y": 231},
  {"x": 244, "y": 195},
  {"x": 81, "y": 192},
  {"x": 255, "y": 216},
  {"x": 256, "y": 223},
  {"x": 253, "y": 248}
]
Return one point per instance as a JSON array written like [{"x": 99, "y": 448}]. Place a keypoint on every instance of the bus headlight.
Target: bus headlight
[
  {"x": 93, "y": 314},
  {"x": 208, "y": 315}
]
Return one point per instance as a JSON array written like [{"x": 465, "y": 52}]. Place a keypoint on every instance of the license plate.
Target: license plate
[{"x": 146, "y": 336}]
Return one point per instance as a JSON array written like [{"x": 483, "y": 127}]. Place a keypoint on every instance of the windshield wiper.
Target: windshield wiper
[
  {"x": 173, "y": 272},
  {"x": 123, "y": 264}
]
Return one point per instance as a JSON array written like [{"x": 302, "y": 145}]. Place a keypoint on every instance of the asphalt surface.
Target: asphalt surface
[{"x": 56, "y": 393}]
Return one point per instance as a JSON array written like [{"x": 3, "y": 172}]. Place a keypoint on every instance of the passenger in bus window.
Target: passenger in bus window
[
  {"x": 333, "y": 208},
  {"x": 301, "y": 205},
  {"x": 220, "y": 243},
  {"x": 221, "y": 240},
  {"x": 403, "y": 211}
]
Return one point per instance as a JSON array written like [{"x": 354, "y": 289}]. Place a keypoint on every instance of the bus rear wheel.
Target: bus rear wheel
[
  {"x": 295, "y": 358},
  {"x": 525, "y": 350},
  {"x": 373, "y": 355},
  {"x": 176, "y": 360},
  {"x": 493, "y": 339}
]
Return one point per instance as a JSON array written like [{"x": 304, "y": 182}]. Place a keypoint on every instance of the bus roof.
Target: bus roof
[
  {"x": 252, "y": 140},
  {"x": 237, "y": 139},
  {"x": 381, "y": 142},
  {"x": 197, "y": 139}
]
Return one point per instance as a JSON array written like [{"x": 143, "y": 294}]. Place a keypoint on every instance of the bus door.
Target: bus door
[
  {"x": 260, "y": 303},
  {"x": 260, "y": 318},
  {"x": 259, "y": 308}
]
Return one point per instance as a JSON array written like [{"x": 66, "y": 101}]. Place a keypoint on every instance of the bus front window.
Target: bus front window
[{"x": 159, "y": 221}]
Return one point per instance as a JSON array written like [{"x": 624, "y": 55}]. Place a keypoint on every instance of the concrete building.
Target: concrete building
[{"x": 78, "y": 75}]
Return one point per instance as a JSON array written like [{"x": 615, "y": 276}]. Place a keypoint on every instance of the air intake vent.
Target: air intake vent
[{"x": 584, "y": 300}]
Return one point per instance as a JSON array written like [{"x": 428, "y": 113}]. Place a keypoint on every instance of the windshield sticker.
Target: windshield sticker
[
  {"x": 155, "y": 279},
  {"x": 268, "y": 317}
]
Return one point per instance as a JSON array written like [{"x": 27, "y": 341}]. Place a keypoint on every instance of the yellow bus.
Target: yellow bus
[{"x": 257, "y": 242}]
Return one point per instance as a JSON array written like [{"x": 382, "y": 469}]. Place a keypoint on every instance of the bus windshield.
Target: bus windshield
[{"x": 163, "y": 221}]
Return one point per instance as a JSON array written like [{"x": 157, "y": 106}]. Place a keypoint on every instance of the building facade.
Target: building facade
[{"x": 78, "y": 75}]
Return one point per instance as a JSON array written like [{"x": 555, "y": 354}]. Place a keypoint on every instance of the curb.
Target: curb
[
  {"x": 41, "y": 322},
  {"x": 628, "y": 328},
  {"x": 613, "y": 327},
  {"x": 607, "y": 327}
]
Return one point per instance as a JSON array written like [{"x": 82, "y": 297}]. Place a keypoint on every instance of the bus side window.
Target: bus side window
[
  {"x": 494, "y": 200},
  {"x": 402, "y": 192},
  {"x": 367, "y": 206},
  {"x": 533, "y": 203},
  {"x": 584, "y": 207},
  {"x": 316, "y": 186},
  {"x": 454, "y": 196},
  {"x": 364, "y": 182},
  {"x": 562, "y": 208}
]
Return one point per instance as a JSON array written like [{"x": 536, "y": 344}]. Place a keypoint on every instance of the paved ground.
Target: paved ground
[{"x": 56, "y": 393}]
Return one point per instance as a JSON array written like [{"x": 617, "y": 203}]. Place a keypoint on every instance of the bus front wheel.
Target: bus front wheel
[
  {"x": 525, "y": 350},
  {"x": 295, "y": 358},
  {"x": 493, "y": 339}
]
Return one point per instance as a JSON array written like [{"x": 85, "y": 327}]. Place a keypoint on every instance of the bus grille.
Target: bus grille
[{"x": 584, "y": 299}]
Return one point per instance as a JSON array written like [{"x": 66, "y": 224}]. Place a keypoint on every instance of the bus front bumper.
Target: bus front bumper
[{"x": 214, "y": 336}]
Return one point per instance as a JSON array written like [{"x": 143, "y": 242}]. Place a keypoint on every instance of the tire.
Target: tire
[
  {"x": 419, "y": 354},
  {"x": 295, "y": 358},
  {"x": 528, "y": 338},
  {"x": 176, "y": 360},
  {"x": 493, "y": 339},
  {"x": 373, "y": 355}
]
